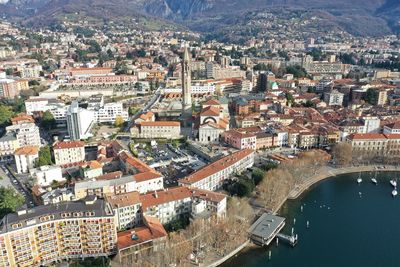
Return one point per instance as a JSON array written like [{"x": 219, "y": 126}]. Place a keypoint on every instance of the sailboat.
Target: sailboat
[
  {"x": 393, "y": 182},
  {"x": 373, "y": 180}
]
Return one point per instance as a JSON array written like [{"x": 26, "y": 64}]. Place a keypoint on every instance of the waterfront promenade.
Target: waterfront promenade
[{"x": 328, "y": 171}]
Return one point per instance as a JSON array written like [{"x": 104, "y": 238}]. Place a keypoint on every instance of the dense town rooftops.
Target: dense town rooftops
[
  {"x": 90, "y": 207},
  {"x": 216, "y": 166},
  {"x": 69, "y": 144}
]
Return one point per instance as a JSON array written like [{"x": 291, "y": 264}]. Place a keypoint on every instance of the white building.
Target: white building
[
  {"x": 40, "y": 105},
  {"x": 45, "y": 175},
  {"x": 372, "y": 124},
  {"x": 333, "y": 98},
  {"x": 109, "y": 112},
  {"x": 69, "y": 152},
  {"x": 27, "y": 134},
  {"x": 170, "y": 204},
  {"x": 212, "y": 176},
  {"x": 127, "y": 209},
  {"x": 25, "y": 158},
  {"x": 79, "y": 122},
  {"x": 157, "y": 129}
]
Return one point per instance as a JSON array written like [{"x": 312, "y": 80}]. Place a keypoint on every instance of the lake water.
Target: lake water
[{"x": 346, "y": 228}]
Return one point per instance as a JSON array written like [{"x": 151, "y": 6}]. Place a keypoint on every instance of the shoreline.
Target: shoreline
[{"x": 328, "y": 172}]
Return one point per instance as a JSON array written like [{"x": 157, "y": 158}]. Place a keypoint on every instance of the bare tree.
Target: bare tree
[{"x": 342, "y": 154}]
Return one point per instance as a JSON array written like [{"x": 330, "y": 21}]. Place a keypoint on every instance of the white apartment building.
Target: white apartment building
[
  {"x": 27, "y": 134},
  {"x": 79, "y": 122},
  {"x": 45, "y": 175},
  {"x": 392, "y": 128},
  {"x": 158, "y": 129},
  {"x": 334, "y": 98},
  {"x": 212, "y": 176},
  {"x": 69, "y": 152},
  {"x": 109, "y": 112},
  {"x": 148, "y": 181},
  {"x": 170, "y": 204},
  {"x": 25, "y": 158},
  {"x": 127, "y": 209}
]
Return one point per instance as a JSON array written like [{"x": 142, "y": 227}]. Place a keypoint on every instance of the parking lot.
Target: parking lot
[{"x": 174, "y": 162}]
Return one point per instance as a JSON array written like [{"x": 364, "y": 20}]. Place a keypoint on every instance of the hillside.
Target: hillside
[{"x": 359, "y": 17}]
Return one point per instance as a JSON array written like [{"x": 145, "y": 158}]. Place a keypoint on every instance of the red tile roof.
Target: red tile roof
[
  {"x": 216, "y": 166},
  {"x": 145, "y": 176},
  {"x": 69, "y": 144},
  {"x": 160, "y": 123},
  {"x": 164, "y": 196},
  {"x": 153, "y": 230},
  {"x": 27, "y": 150}
]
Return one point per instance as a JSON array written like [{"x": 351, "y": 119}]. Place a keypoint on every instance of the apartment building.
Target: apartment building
[
  {"x": 109, "y": 112},
  {"x": 157, "y": 129},
  {"x": 79, "y": 122},
  {"x": 69, "y": 152},
  {"x": 45, "y": 175},
  {"x": 48, "y": 234},
  {"x": 212, "y": 176},
  {"x": 373, "y": 144},
  {"x": 8, "y": 144},
  {"x": 127, "y": 209},
  {"x": 10, "y": 88},
  {"x": 240, "y": 139},
  {"x": 25, "y": 158},
  {"x": 27, "y": 134},
  {"x": 171, "y": 204}
]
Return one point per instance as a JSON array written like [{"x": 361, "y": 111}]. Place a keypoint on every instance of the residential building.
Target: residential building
[
  {"x": 109, "y": 112},
  {"x": 157, "y": 129},
  {"x": 150, "y": 237},
  {"x": 91, "y": 169},
  {"x": 392, "y": 128},
  {"x": 69, "y": 152},
  {"x": 27, "y": 134},
  {"x": 127, "y": 209},
  {"x": 45, "y": 175},
  {"x": 334, "y": 98},
  {"x": 241, "y": 139},
  {"x": 10, "y": 88},
  {"x": 79, "y": 122},
  {"x": 8, "y": 144},
  {"x": 375, "y": 145},
  {"x": 212, "y": 176},
  {"x": 45, "y": 235},
  {"x": 25, "y": 158}
]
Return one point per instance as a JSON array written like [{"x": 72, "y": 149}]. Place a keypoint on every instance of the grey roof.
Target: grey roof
[
  {"x": 102, "y": 183},
  {"x": 99, "y": 207},
  {"x": 265, "y": 226},
  {"x": 8, "y": 137}
]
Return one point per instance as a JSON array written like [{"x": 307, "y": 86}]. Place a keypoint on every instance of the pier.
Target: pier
[
  {"x": 291, "y": 239},
  {"x": 264, "y": 230}
]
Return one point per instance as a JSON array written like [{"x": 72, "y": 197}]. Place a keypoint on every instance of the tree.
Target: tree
[
  {"x": 10, "y": 200},
  {"x": 6, "y": 114},
  {"x": 257, "y": 175},
  {"x": 119, "y": 121},
  {"x": 48, "y": 122},
  {"x": 44, "y": 156},
  {"x": 371, "y": 96},
  {"x": 342, "y": 154},
  {"x": 289, "y": 99},
  {"x": 297, "y": 71}
]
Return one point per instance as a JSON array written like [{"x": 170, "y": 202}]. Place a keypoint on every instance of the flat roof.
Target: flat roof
[{"x": 266, "y": 225}]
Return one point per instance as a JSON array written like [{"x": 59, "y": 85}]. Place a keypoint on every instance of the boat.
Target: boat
[
  {"x": 374, "y": 180},
  {"x": 359, "y": 180},
  {"x": 394, "y": 192},
  {"x": 393, "y": 182}
]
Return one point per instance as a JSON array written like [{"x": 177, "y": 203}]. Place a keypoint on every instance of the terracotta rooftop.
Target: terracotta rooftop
[
  {"x": 134, "y": 162},
  {"x": 145, "y": 176},
  {"x": 110, "y": 176},
  {"x": 212, "y": 102},
  {"x": 69, "y": 144},
  {"x": 123, "y": 200},
  {"x": 22, "y": 118},
  {"x": 27, "y": 150},
  {"x": 153, "y": 230},
  {"x": 216, "y": 166},
  {"x": 210, "y": 111},
  {"x": 164, "y": 196}
]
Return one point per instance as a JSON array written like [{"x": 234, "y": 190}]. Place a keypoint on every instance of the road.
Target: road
[
  {"x": 156, "y": 97},
  {"x": 9, "y": 180}
]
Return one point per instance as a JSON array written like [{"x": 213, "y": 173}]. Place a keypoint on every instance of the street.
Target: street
[{"x": 9, "y": 180}]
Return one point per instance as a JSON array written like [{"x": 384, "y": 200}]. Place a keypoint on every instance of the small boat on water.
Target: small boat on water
[
  {"x": 394, "y": 192},
  {"x": 374, "y": 181},
  {"x": 359, "y": 180},
  {"x": 393, "y": 183}
]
